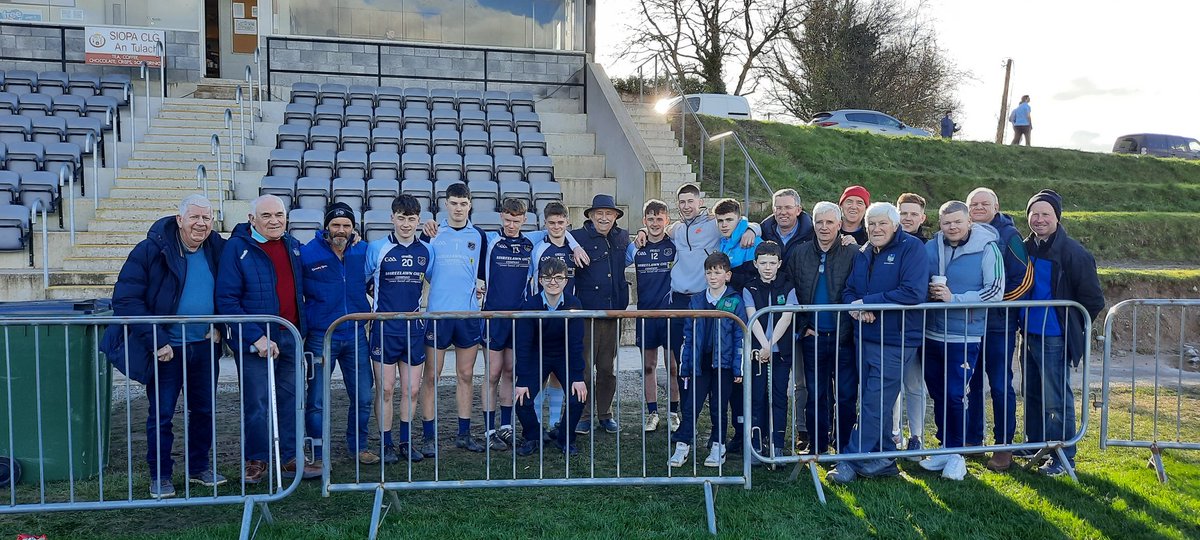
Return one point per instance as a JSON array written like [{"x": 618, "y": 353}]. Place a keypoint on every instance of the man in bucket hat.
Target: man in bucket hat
[{"x": 601, "y": 285}]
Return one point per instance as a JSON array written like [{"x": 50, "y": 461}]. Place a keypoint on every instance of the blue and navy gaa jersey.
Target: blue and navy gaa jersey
[
  {"x": 507, "y": 270},
  {"x": 653, "y": 264},
  {"x": 397, "y": 272},
  {"x": 460, "y": 253},
  {"x": 547, "y": 250}
]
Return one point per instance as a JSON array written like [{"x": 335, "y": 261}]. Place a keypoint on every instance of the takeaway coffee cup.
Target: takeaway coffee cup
[{"x": 937, "y": 280}]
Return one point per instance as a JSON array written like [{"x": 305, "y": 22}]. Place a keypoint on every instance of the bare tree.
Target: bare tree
[
  {"x": 704, "y": 38},
  {"x": 868, "y": 54}
]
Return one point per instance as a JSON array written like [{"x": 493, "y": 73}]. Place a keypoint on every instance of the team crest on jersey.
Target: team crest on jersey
[
  {"x": 377, "y": 351},
  {"x": 780, "y": 299},
  {"x": 421, "y": 261},
  {"x": 891, "y": 258},
  {"x": 668, "y": 252},
  {"x": 470, "y": 245}
]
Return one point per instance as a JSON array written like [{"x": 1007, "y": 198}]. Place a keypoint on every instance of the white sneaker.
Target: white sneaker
[
  {"x": 681, "y": 454},
  {"x": 651, "y": 422},
  {"x": 716, "y": 457},
  {"x": 956, "y": 468},
  {"x": 674, "y": 422},
  {"x": 936, "y": 463}
]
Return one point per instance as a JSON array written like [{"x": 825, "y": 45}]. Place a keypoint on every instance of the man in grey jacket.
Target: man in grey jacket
[{"x": 819, "y": 271}]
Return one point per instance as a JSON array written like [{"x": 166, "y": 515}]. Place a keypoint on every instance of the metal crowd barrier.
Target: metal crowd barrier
[
  {"x": 75, "y": 432},
  {"x": 630, "y": 457},
  {"x": 1150, "y": 377},
  {"x": 1052, "y": 443}
]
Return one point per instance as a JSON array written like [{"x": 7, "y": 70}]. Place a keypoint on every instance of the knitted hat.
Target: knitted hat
[
  {"x": 1048, "y": 196},
  {"x": 856, "y": 191},
  {"x": 338, "y": 210}
]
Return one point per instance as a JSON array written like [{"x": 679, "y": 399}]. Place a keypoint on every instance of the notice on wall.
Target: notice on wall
[
  {"x": 245, "y": 26},
  {"x": 118, "y": 46},
  {"x": 239, "y": 10}
]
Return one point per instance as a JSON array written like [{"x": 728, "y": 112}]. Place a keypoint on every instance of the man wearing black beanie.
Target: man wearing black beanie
[{"x": 1055, "y": 338}]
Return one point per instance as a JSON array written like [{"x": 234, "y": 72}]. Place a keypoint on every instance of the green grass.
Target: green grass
[
  {"x": 1117, "y": 497},
  {"x": 820, "y": 162}
]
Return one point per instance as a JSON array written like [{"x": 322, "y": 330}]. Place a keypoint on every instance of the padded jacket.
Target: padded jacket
[
  {"x": 246, "y": 285},
  {"x": 805, "y": 261},
  {"x": 1072, "y": 277},
  {"x": 898, "y": 274},
  {"x": 150, "y": 283},
  {"x": 601, "y": 284},
  {"x": 804, "y": 233},
  {"x": 700, "y": 333},
  {"x": 333, "y": 286}
]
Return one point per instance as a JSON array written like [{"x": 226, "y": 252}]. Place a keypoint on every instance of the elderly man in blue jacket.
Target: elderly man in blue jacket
[
  {"x": 261, "y": 274},
  {"x": 892, "y": 268},
  {"x": 172, "y": 272},
  {"x": 335, "y": 284}
]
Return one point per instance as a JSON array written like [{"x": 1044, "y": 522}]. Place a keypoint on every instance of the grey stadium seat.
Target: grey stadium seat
[
  {"x": 532, "y": 144},
  {"x": 305, "y": 223},
  {"x": 283, "y": 187},
  {"x": 421, "y": 189},
  {"x": 356, "y": 138},
  {"x": 444, "y": 119},
  {"x": 292, "y": 137},
  {"x": 442, "y": 99},
  {"x": 117, "y": 86},
  {"x": 488, "y": 221},
  {"x": 389, "y": 96},
  {"x": 48, "y": 129},
  {"x": 68, "y": 105},
  {"x": 39, "y": 185},
  {"x": 285, "y": 163},
  {"x": 515, "y": 189},
  {"x": 472, "y": 120},
  {"x": 299, "y": 113},
  {"x": 416, "y": 98},
  {"x": 415, "y": 166},
  {"x": 519, "y": 102},
  {"x": 52, "y": 83},
  {"x": 105, "y": 109},
  {"x": 351, "y": 164},
  {"x": 470, "y": 100},
  {"x": 359, "y": 116},
  {"x": 526, "y": 122},
  {"x": 386, "y": 139},
  {"x": 509, "y": 168},
  {"x": 544, "y": 193},
  {"x": 478, "y": 167},
  {"x": 446, "y": 141},
  {"x": 25, "y": 157},
  {"x": 10, "y": 186},
  {"x": 34, "y": 105},
  {"x": 319, "y": 163},
  {"x": 417, "y": 140},
  {"x": 384, "y": 165},
  {"x": 15, "y": 128},
  {"x": 539, "y": 168},
  {"x": 448, "y": 167},
  {"x": 332, "y": 94},
  {"x": 381, "y": 192},
  {"x": 352, "y": 191},
  {"x": 14, "y": 227},
  {"x": 416, "y": 117},
  {"x": 531, "y": 222},
  {"x": 389, "y": 117},
  {"x": 59, "y": 154},
  {"x": 498, "y": 121},
  {"x": 329, "y": 114},
  {"x": 359, "y": 94},
  {"x": 325, "y": 138},
  {"x": 20, "y": 81},
  {"x": 484, "y": 195},
  {"x": 377, "y": 224},
  {"x": 475, "y": 143},
  {"x": 9, "y": 103},
  {"x": 305, "y": 93},
  {"x": 503, "y": 143},
  {"x": 312, "y": 193},
  {"x": 495, "y": 101},
  {"x": 83, "y": 84}
]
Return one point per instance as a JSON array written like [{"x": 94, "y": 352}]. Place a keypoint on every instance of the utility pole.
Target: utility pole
[{"x": 1004, "y": 103}]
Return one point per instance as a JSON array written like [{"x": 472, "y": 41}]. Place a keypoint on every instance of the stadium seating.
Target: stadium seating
[{"x": 364, "y": 145}]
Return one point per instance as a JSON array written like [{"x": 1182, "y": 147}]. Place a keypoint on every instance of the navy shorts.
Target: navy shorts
[
  {"x": 400, "y": 347},
  {"x": 652, "y": 333},
  {"x": 461, "y": 333},
  {"x": 499, "y": 334}
]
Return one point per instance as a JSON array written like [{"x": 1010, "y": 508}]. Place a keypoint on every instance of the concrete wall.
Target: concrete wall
[
  {"x": 43, "y": 46},
  {"x": 627, "y": 157},
  {"x": 411, "y": 65}
]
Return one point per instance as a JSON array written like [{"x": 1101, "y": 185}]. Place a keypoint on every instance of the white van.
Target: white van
[{"x": 723, "y": 105}]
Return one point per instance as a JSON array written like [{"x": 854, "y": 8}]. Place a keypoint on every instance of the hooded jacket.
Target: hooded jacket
[
  {"x": 333, "y": 286},
  {"x": 1018, "y": 274},
  {"x": 974, "y": 272},
  {"x": 150, "y": 283},
  {"x": 694, "y": 239},
  {"x": 1072, "y": 277},
  {"x": 701, "y": 333},
  {"x": 246, "y": 284},
  {"x": 898, "y": 274},
  {"x": 740, "y": 258}
]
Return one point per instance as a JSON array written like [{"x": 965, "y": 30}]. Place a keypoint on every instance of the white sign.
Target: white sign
[
  {"x": 117, "y": 46},
  {"x": 239, "y": 10},
  {"x": 245, "y": 26},
  {"x": 70, "y": 15}
]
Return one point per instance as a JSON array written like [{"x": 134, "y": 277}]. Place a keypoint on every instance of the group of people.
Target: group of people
[{"x": 561, "y": 371}]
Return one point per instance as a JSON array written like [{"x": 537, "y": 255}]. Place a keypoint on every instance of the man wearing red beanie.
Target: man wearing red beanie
[{"x": 854, "y": 203}]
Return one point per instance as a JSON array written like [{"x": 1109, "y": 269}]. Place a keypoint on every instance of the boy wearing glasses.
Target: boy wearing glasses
[{"x": 549, "y": 346}]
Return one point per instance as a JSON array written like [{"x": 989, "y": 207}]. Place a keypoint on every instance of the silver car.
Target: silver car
[{"x": 863, "y": 120}]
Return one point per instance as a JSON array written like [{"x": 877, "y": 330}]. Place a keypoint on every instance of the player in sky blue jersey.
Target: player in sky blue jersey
[
  {"x": 456, "y": 284},
  {"x": 653, "y": 263},
  {"x": 397, "y": 267}
]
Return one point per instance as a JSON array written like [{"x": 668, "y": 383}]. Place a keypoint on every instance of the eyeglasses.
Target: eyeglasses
[{"x": 554, "y": 279}]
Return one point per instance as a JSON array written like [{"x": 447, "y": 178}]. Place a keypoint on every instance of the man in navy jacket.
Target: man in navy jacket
[
  {"x": 172, "y": 272},
  {"x": 892, "y": 268},
  {"x": 335, "y": 285},
  {"x": 261, "y": 274},
  {"x": 1055, "y": 338}
]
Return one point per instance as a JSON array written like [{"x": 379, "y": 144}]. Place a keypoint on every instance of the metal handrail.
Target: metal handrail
[
  {"x": 675, "y": 80},
  {"x": 253, "y": 116},
  {"x": 89, "y": 144},
  {"x": 161, "y": 51},
  {"x": 37, "y": 203},
  {"x": 241, "y": 103},
  {"x": 109, "y": 117},
  {"x": 258, "y": 67},
  {"x": 145, "y": 72},
  {"x": 202, "y": 179},
  {"x": 215, "y": 150},
  {"x": 229, "y": 126},
  {"x": 129, "y": 96},
  {"x": 65, "y": 177}
]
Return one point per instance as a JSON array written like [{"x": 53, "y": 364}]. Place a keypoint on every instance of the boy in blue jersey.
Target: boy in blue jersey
[
  {"x": 653, "y": 263},
  {"x": 549, "y": 346},
  {"x": 397, "y": 266},
  {"x": 461, "y": 248},
  {"x": 711, "y": 362}
]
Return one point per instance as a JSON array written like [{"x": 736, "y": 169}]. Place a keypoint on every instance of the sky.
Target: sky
[{"x": 1094, "y": 69}]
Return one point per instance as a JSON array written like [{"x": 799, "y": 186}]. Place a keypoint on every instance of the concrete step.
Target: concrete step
[
  {"x": 178, "y": 182},
  {"x": 580, "y": 190},
  {"x": 102, "y": 250},
  {"x": 558, "y": 144},
  {"x": 131, "y": 196},
  {"x": 582, "y": 166},
  {"x": 123, "y": 226},
  {"x": 144, "y": 215},
  {"x": 79, "y": 292},
  {"x": 559, "y": 105},
  {"x": 163, "y": 157},
  {"x": 166, "y": 136},
  {"x": 563, "y": 122},
  {"x": 683, "y": 168},
  {"x": 670, "y": 159},
  {"x": 92, "y": 264},
  {"x": 95, "y": 238},
  {"x": 178, "y": 167}
]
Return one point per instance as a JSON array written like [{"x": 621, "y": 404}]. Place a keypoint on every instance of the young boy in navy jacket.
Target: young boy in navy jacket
[
  {"x": 544, "y": 347},
  {"x": 711, "y": 362}
]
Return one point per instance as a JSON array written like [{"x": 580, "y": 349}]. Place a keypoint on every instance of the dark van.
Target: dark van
[{"x": 1154, "y": 144}]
